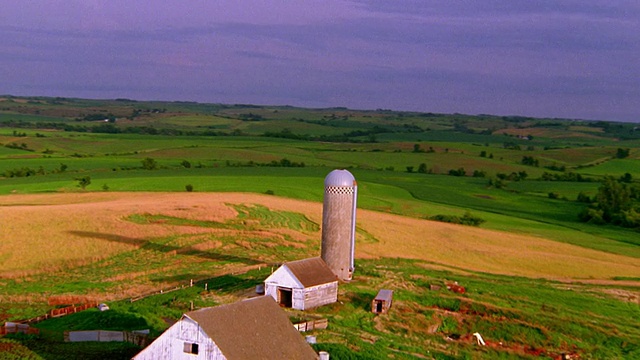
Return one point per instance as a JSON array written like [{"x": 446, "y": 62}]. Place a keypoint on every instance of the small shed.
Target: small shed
[
  {"x": 256, "y": 328},
  {"x": 382, "y": 302},
  {"x": 303, "y": 284}
]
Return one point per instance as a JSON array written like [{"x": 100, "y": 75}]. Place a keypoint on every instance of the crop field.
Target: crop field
[{"x": 162, "y": 193}]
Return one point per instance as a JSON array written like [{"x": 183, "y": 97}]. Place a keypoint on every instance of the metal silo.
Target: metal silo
[{"x": 339, "y": 222}]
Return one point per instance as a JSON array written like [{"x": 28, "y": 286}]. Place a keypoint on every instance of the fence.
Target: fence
[
  {"x": 311, "y": 325},
  {"x": 70, "y": 309},
  {"x": 242, "y": 270},
  {"x": 140, "y": 338},
  {"x": 157, "y": 292},
  {"x": 52, "y": 314},
  {"x": 13, "y": 328}
]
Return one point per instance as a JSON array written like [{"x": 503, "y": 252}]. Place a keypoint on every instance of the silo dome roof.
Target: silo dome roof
[{"x": 339, "y": 178}]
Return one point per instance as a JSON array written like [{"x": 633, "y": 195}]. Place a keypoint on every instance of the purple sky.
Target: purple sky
[{"x": 556, "y": 58}]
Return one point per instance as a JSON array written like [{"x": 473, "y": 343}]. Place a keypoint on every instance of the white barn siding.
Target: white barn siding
[
  {"x": 171, "y": 344},
  {"x": 283, "y": 278},
  {"x": 320, "y": 295}
]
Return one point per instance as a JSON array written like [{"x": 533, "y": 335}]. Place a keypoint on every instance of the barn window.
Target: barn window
[{"x": 191, "y": 348}]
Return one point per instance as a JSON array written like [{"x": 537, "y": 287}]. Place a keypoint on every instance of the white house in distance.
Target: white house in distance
[
  {"x": 303, "y": 284},
  {"x": 256, "y": 328}
]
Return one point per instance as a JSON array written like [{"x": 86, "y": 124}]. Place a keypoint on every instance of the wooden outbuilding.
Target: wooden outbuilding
[
  {"x": 382, "y": 302},
  {"x": 256, "y": 328},
  {"x": 303, "y": 284}
]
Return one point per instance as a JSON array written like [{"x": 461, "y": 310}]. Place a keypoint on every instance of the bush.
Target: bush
[
  {"x": 466, "y": 219},
  {"x": 458, "y": 172},
  {"x": 149, "y": 164},
  {"x": 189, "y": 188},
  {"x": 479, "y": 173},
  {"x": 583, "y": 198}
]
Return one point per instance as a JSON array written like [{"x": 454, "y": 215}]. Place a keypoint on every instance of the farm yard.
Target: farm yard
[{"x": 221, "y": 195}]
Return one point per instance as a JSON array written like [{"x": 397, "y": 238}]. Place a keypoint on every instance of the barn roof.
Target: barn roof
[
  {"x": 253, "y": 329},
  {"x": 384, "y": 294},
  {"x": 312, "y": 271}
]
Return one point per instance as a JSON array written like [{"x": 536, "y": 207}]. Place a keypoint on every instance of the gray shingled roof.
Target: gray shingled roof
[
  {"x": 312, "y": 271},
  {"x": 253, "y": 329}
]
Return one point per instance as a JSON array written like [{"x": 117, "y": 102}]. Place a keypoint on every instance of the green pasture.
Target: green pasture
[
  {"x": 617, "y": 168},
  {"x": 520, "y": 316},
  {"x": 296, "y": 127},
  {"x": 198, "y": 120},
  {"x": 522, "y": 207},
  {"x": 8, "y": 116}
]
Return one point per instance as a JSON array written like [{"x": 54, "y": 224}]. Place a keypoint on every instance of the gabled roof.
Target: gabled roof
[
  {"x": 311, "y": 272},
  {"x": 256, "y": 328}
]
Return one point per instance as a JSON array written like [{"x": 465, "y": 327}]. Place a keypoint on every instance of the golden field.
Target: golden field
[{"x": 48, "y": 232}]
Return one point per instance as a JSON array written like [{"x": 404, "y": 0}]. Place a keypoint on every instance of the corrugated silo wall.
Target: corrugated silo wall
[{"x": 337, "y": 215}]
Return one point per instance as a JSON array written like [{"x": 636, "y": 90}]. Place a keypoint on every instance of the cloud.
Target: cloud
[{"x": 520, "y": 57}]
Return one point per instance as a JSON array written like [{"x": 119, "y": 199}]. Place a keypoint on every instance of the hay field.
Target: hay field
[{"x": 49, "y": 232}]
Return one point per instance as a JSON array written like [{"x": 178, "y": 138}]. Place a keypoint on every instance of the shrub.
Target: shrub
[
  {"x": 466, "y": 219},
  {"x": 149, "y": 164},
  {"x": 583, "y": 198},
  {"x": 189, "y": 188},
  {"x": 458, "y": 172}
]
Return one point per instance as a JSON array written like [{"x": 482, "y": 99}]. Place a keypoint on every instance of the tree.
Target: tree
[
  {"x": 409, "y": 169},
  {"x": 189, "y": 188},
  {"x": 185, "y": 164},
  {"x": 615, "y": 203},
  {"x": 422, "y": 168},
  {"x": 613, "y": 197},
  {"x": 459, "y": 172},
  {"x": 583, "y": 198},
  {"x": 622, "y": 153},
  {"x": 529, "y": 160},
  {"x": 626, "y": 178},
  {"x": 149, "y": 164},
  {"x": 479, "y": 173},
  {"x": 416, "y": 148},
  {"x": 84, "y": 181}
]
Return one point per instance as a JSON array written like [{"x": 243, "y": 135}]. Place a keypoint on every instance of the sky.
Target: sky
[{"x": 576, "y": 59}]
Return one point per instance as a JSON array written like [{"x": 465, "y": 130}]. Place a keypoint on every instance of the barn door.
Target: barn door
[
  {"x": 379, "y": 307},
  {"x": 285, "y": 297}
]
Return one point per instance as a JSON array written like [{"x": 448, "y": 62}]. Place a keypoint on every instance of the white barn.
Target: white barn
[
  {"x": 303, "y": 284},
  {"x": 256, "y": 328}
]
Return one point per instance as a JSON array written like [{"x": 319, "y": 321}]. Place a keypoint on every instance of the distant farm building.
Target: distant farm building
[
  {"x": 303, "y": 284},
  {"x": 251, "y": 329},
  {"x": 382, "y": 302}
]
